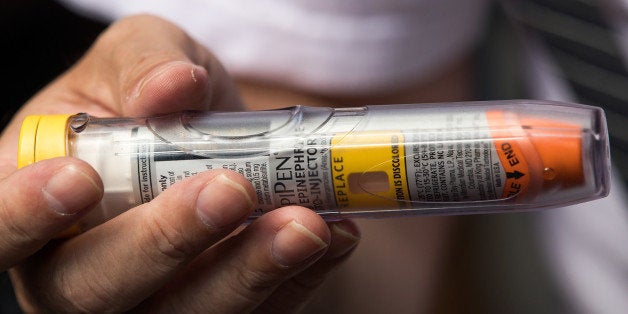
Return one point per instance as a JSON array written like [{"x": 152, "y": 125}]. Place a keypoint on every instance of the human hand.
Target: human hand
[{"x": 174, "y": 253}]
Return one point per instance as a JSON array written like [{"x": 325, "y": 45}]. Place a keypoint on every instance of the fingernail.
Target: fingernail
[
  {"x": 294, "y": 244},
  {"x": 196, "y": 72},
  {"x": 344, "y": 238},
  {"x": 223, "y": 202},
  {"x": 159, "y": 70},
  {"x": 71, "y": 190}
]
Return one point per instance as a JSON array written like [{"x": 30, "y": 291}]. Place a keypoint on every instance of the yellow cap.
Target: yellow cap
[{"x": 42, "y": 137}]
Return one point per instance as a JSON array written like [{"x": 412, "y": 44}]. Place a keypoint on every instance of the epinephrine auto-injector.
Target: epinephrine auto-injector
[{"x": 371, "y": 161}]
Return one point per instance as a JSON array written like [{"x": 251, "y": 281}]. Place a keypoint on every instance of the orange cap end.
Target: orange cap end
[{"x": 559, "y": 146}]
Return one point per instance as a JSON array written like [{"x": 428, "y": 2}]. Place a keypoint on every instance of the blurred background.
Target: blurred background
[
  {"x": 495, "y": 264},
  {"x": 40, "y": 39}
]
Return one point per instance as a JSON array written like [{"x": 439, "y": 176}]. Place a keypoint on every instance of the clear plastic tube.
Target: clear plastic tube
[{"x": 373, "y": 161}]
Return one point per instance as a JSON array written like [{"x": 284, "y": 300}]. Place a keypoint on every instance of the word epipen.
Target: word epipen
[{"x": 372, "y": 161}]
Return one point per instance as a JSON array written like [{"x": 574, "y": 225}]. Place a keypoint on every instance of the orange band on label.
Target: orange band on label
[
  {"x": 367, "y": 175},
  {"x": 506, "y": 139}
]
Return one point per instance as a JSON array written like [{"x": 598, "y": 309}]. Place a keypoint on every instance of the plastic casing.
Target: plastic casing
[{"x": 565, "y": 148}]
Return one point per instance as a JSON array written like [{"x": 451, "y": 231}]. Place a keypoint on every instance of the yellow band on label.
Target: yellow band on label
[{"x": 368, "y": 175}]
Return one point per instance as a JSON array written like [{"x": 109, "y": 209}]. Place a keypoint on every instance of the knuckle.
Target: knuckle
[
  {"x": 304, "y": 285},
  {"x": 292, "y": 295},
  {"x": 166, "y": 244},
  {"x": 253, "y": 285},
  {"x": 90, "y": 296},
  {"x": 254, "y": 280},
  {"x": 15, "y": 235},
  {"x": 90, "y": 300}
]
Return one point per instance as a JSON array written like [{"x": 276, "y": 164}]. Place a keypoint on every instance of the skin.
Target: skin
[
  {"x": 401, "y": 263},
  {"x": 177, "y": 253}
]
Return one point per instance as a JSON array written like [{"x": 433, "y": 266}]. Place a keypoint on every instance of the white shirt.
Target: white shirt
[
  {"x": 373, "y": 46},
  {"x": 369, "y": 45}
]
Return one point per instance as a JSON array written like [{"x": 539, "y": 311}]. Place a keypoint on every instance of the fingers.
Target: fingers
[
  {"x": 153, "y": 67},
  {"x": 40, "y": 201},
  {"x": 293, "y": 294},
  {"x": 116, "y": 265},
  {"x": 238, "y": 275},
  {"x": 119, "y": 264}
]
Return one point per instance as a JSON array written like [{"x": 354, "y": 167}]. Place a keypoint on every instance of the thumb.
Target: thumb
[
  {"x": 41, "y": 200},
  {"x": 144, "y": 65}
]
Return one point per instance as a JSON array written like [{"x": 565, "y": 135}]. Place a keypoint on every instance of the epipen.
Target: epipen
[{"x": 372, "y": 161}]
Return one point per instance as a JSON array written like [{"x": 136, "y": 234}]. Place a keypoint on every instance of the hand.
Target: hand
[{"x": 174, "y": 253}]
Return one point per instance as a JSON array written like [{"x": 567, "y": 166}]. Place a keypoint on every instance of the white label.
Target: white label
[
  {"x": 298, "y": 175},
  {"x": 302, "y": 176},
  {"x": 440, "y": 166},
  {"x": 454, "y": 166}
]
